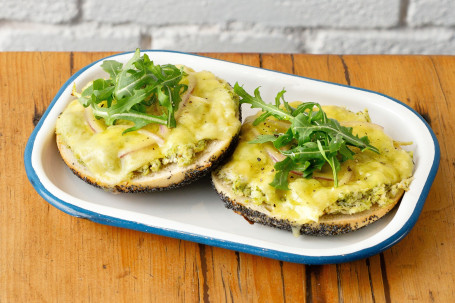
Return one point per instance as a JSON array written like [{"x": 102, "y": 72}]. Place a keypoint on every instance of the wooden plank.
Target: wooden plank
[
  {"x": 233, "y": 276},
  {"x": 247, "y": 59},
  {"x": 354, "y": 279},
  {"x": 322, "y": 67},
  {"x": 239, "y": 277},
  {"x": 246, "y": 278},
  {"x": 81, "y": 59},
  {"x": 28, "y": 81},
  {"x": 278, "y": 62},
  {"x": 440, "y": 214},
  {"x": 320, "y": 282},
  {"x": 225, "y": 278},
  {"x": 360, "y": 281},
  {"x": 293, "y": 276},
  {"x": 350, "y": 281},
  {"x": 410, "y": 264}
]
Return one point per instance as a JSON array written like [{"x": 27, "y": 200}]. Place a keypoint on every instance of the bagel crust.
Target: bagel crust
[
  {"x": 169, "y": 177},
  {"x": 328, "y": 225}
]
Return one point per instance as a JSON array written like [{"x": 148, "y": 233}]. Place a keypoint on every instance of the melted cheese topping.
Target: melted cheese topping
[
  {"x": 210, "y": 113},
  {"x": 251, "y": 170}
]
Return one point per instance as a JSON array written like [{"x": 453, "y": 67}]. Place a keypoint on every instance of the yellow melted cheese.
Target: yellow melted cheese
[
  {"x": 210, "y": 113},
  {"x": 251, "y": 170}
]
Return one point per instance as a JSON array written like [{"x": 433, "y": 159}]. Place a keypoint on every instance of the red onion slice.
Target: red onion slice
[
  {"x": 91, "y": 120},
  {"x": 151, "y": 135},
  {"x": 274, "y": 154},
  {"x": 187, "y": 94},
  {"x": 152, "y": 139},
  {"x": 164, "y": 130}
]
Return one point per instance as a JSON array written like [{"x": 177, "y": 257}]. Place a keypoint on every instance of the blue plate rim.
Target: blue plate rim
[{"x": 270, "y": 253}]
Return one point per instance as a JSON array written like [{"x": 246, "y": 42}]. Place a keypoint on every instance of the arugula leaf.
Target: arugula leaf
[
  {"x": 131, "y": 89},
  {"x": 283, "y": 168},
  {"x": 332, "y": 160},
  {"x": 112, "y": 67},
  {"x": 264, "y": 138},
  {"x": 257, "y": 102},
  {"x": 311, "y": 141}
]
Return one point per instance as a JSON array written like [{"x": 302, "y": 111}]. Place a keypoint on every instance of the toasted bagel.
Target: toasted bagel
[
  {"x": 369, "y": 185},
  {"x": 155, "y": 157}
]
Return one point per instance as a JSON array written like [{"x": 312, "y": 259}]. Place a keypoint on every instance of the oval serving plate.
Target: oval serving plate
[{"x": 196, "y": 213}]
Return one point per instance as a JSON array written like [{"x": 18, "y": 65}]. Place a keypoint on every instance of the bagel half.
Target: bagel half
[
  {"x": 153, "y": 158},
  {"x": 370, "y": 184}
]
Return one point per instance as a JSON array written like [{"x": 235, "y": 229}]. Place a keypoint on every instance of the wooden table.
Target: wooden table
[{"x": 49, "y": 256}]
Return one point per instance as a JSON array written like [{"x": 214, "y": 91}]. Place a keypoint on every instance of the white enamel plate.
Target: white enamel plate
[{"x": 196, "y": 213}]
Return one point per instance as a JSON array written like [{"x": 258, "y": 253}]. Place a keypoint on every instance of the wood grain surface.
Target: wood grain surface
[{"x": 49, "y": 256}]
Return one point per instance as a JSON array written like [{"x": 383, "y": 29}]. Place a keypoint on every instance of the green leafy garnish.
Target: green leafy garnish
[
  {"x": 311, "y": 140},
  {"x": 132, "y": 89}
]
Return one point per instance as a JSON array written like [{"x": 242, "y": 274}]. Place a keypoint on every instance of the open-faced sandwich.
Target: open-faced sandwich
[
  {"x": 319, "y": 170},
  {"x": 148, "y": 127}
]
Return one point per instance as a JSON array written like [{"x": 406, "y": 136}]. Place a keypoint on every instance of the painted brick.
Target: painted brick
[
  {"x": 87, "y": 37},
  {"x": 421, "y": 41},
  {"x": 431, "y": 12},
  {"x": 47, "y": 11},
  {"x": 320, "y": 13},
  {"x": 214, "y": 39},
  {"x": 313, "y": 26}
]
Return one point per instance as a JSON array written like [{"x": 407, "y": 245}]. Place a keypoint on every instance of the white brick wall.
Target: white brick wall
[
  {"x": 280, "y": 13},
  {"x": 422, "y": 41},
  {"x": 227, "y": 39},
  {"x": 432, "y": 12},
  {"x": 78, "y": 37},
  {"x": 46, "y": 11},
  {"x": 312, "y": 26}
]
